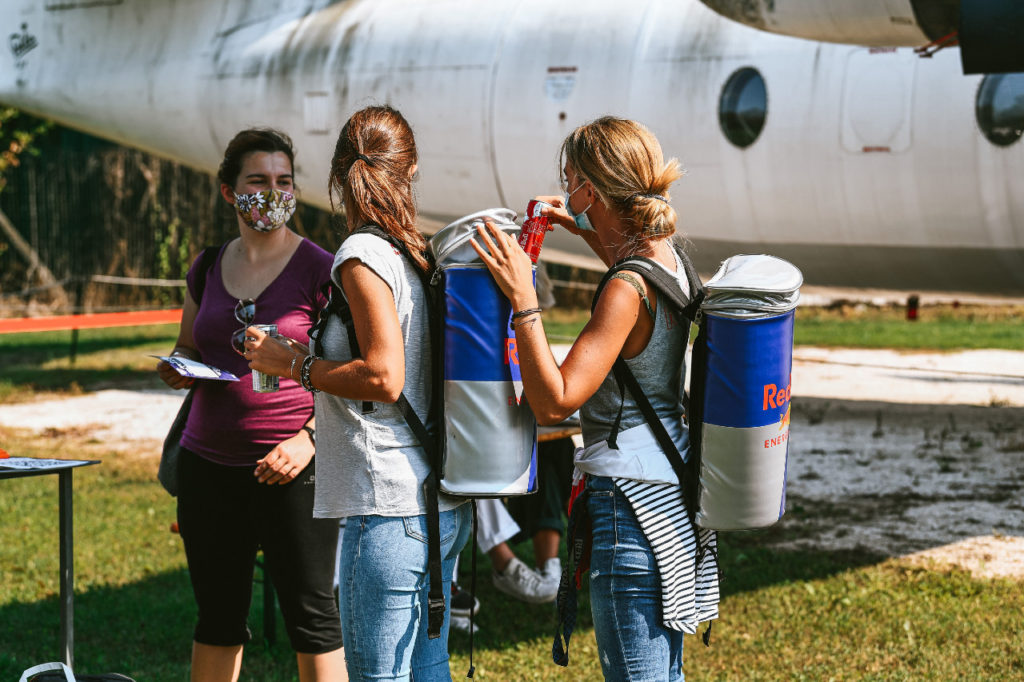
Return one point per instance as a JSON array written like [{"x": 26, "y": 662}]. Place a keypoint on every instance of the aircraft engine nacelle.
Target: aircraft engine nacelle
[{"x": 988, "y": 31}]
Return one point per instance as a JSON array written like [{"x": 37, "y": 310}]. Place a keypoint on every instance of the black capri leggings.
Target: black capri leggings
[{"x": 225, "y": 515}]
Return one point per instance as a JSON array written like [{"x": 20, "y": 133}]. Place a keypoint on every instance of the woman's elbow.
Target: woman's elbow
[
  {"x": 386, "y": 386},
  {"x": 552, "y": 415}
]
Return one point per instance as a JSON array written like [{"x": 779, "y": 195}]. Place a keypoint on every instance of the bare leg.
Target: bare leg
[
  {"x": 215, "y": 663},
  {"x": 326, "y": 667},
  {"x": 500, "y": 555},
  {"x": 545, "y": 545}
]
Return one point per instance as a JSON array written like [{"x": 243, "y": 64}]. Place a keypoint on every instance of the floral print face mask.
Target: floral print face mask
[{"x": 265, "y": 211}]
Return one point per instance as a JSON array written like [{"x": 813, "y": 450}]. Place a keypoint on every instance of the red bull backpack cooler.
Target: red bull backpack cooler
[
  {"x": 490, "y": 438},
  {"x": 748, "y": 318}
]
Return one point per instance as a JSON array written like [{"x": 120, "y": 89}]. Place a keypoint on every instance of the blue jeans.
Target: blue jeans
[
  {"x": 625, "y": 593},
  {"x": 383, "y": 583}
]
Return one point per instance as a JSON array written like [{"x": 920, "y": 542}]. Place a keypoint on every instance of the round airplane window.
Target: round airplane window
[
  {"x": 743, "y": 107},
  {"x": 1000, "y": 107}
]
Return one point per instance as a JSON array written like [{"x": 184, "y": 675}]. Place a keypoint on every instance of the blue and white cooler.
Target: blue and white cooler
[
  {"x": 490, "y": 446},
  {"x": 744, "y": 440}
]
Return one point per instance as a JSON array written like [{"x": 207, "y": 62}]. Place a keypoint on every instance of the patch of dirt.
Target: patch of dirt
[
  {"x": 924, "y": 460},
  {"x": 990, "y": 556}
]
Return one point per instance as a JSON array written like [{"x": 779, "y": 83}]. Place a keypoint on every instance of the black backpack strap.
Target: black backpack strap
[
  {"x": 207, "y": 259},
  {"x": 667, "y": 288},
  {"x": 665, "y": 284}
]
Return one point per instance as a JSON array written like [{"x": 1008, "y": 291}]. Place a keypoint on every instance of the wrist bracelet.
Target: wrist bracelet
[
  {"x": 524, "y": 313},
  {"x": 291, "y": 370},
  {"x": 520, "y": 322},
  {"x": 304, "y": 378},
  {"x": 311, "y": 431}
]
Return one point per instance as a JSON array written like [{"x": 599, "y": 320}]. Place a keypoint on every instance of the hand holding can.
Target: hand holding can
[
  {"x": 265, "y": 383},
  {"x": 535, "y": 226}
]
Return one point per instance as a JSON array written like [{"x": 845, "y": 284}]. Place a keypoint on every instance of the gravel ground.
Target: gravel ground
[{"x": 900, "y": 454}]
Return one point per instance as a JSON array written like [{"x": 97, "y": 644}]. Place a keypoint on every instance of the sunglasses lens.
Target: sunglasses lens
[
  {"x": 238, "y": 341},
  {"x": 245, "y": 311}
]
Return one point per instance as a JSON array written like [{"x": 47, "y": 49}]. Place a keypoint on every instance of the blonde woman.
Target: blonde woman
[{"x": 647, "y": 588}]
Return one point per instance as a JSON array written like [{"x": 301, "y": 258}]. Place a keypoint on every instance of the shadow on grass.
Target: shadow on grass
[
  {"x": 143, "y": 630},
  {"x": 22, "y": 376},
  {"x": 748, "y": 564},
  {"x": 100, "y": 357},
  {"x": 57, "y": 344}
]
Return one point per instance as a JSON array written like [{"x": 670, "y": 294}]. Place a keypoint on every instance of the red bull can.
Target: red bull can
[{"x": 535, "y": 226}]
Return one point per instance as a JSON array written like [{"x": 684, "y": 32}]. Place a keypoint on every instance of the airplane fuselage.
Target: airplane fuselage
[{"x": 870, "y": 168}]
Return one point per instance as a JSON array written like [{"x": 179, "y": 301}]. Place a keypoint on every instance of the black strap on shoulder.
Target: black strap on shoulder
[
  {"x": 429, "y": 442},
  {"x": 668, "y": 293},
  {"x": 207, "y": 259},
  {"x": 663, "y": 282}
]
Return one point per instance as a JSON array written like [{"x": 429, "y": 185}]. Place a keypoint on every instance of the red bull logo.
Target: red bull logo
[
  {"x": 780, "y": 398},
  {"x": 776, "y": 397},
  {"x": 511, "y": 352},
  {"x": 784, "y": 422}
]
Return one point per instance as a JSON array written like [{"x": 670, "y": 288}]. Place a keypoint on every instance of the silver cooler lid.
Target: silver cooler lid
[
  {"x": 753, "y": 286},
  {"x": 451, "y": 245}
]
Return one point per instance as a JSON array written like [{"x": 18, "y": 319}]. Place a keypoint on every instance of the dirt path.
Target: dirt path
[{"x": 917, "y": 454}]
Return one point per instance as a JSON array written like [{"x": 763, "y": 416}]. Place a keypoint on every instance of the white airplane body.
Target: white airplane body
[{"x": 870, "y": 169}]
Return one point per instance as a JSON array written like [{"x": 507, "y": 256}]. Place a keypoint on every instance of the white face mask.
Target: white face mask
[{"x": 582, "y": 221}]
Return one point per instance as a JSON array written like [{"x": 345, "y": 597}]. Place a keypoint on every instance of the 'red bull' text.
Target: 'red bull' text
[{"x": 775, "y": 397}]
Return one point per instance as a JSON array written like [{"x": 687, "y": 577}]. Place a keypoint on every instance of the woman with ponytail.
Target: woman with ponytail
[
  {"x": 371, "y": 468},
  {"x": 653, "y": 573}
]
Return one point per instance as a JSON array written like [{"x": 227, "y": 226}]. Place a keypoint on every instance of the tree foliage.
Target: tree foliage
[{"x": 18, "y": 133}]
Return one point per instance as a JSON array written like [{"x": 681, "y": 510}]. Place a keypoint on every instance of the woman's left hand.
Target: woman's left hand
[
  {"x": 271, "y": 355},
  {"x": 286, "y": 461},
  {"x": 510, "y": 266}
]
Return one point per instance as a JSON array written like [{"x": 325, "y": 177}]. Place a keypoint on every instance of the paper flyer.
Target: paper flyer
[{"x": 195, "y": 369}]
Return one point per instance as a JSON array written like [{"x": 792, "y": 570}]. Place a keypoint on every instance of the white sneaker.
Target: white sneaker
[
  {"x": 551, "y": 573},
  {"x": 523, "y": 583},
  {"x": 461, "y": 623}
]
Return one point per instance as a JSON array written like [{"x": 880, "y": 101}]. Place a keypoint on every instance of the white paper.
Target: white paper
[
  {"x": 33, "y": 463},
  {"x": 195, "y": 369}
]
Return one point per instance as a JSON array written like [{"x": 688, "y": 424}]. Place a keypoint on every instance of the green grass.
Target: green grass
[
  {"x": 119, "y": 356},
  {"x": 105, "y": 357},
  {"x": 785, "y": 615},
  {"x": 813, "y": 615},
  {"x": 939, "y": 327}
]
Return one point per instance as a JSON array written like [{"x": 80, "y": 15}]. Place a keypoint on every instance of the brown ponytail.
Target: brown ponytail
[{"x": 371, "y": 174}]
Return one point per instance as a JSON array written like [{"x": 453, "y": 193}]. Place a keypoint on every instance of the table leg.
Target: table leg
[{"x": 67, "y": 577}]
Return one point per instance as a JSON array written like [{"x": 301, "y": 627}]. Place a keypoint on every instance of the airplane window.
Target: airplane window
[
  {"x": 743, "y": 107},
  {"x": 1000, "y": 107}
]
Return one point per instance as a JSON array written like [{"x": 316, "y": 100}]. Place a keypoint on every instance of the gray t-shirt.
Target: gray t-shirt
[{"x": 373, "y": 463}]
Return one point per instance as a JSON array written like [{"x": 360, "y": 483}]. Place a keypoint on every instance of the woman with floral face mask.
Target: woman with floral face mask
[{"x": 246, "y": 467}]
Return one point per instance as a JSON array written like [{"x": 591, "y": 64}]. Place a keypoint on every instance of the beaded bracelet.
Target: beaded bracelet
[
  {"x": 304, "y": 377},
  {"x": 524, "y": 313}
]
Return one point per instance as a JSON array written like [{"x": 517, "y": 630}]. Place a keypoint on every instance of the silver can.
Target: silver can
[{"x": 265, "y": 383}]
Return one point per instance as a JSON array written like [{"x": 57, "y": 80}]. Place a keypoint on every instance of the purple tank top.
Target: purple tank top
[{"x": 229, "y": 423}]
